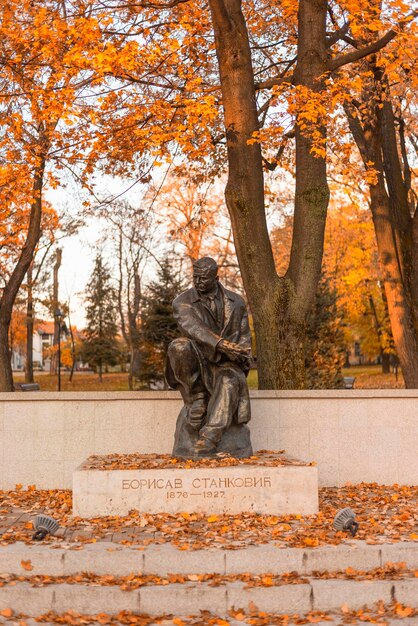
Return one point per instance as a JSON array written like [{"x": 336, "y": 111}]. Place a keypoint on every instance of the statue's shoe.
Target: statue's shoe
[{"x": 204, "y": 447}]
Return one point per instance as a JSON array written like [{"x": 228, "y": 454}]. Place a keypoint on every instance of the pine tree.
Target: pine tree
[
  {"x": 100, "y": 348},
  {"x": 158, "y": 326},
  {"x": 325, "y": 347}
]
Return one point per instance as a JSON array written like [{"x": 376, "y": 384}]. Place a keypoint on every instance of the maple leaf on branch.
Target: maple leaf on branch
[
  {"x": 151, "y": 5},
  {"x": 372, "y": 48}
]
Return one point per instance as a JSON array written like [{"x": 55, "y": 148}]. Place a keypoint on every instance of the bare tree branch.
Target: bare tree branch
[
  {"x": 337, "y": 35},
  {"x": 271, "y": 165},
  {"x": 279, "y": 79}
]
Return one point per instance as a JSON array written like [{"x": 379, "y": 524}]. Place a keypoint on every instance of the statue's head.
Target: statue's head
[{"x": 205, "y": 274}]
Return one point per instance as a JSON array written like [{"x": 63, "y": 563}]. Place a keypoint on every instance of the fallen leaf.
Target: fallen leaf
[
  {"x": 27, "y": 565},
  {"x": 252, "y": 607},
  {"x": 7, "y": 613},
  {"x": 404, "y": 611},
  {"x": 311, "y": 541}
]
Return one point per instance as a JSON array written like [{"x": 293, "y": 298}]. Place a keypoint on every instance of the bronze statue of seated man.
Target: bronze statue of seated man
[{"x": 209, "y": 365}]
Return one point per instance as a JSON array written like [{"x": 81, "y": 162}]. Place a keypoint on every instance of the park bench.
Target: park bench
[
  {"x": 27, "y": 387},
  {"x": 348, "y": 382}
]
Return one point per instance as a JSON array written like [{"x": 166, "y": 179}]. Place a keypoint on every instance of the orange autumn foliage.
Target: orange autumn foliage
[{"x": 127, "y": 86}]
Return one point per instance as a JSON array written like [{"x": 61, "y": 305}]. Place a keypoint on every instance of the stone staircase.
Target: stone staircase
[{"x": 161, "y": 579}]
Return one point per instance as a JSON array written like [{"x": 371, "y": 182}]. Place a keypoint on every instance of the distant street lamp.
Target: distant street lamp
[{"x": 59, "y": 316}]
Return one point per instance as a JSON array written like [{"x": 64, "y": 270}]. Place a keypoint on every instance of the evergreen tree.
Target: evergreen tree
[
  {"x": 158, "y": 326},
  {"x": 325, "y": 347},
  {"x": 100, "y": 347}
]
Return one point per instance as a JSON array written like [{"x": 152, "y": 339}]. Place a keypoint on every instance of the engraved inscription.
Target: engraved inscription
[
  {"x": 206, "y": 487},
  {"x": 219, "y": 483},
  {"x": 156, "y": 483}
]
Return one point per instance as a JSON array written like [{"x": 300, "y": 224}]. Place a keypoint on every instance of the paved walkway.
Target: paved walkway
[{"x": 16, "y": 523}]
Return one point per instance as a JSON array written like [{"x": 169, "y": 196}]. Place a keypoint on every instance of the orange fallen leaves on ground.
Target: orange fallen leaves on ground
[
  {"x": 378, "y": 614},
  {"x": 381, "y": 518},
  {"x": 311, "y": 541},
  {"x": 6, "y": 613},
  {"x": 239, "y": 616},
  {"x": 404, "y": 611},
  {"x": 134, "y": 581},
  {"x": 27, "y": 565},
  {"x": 266, "y": 458}
]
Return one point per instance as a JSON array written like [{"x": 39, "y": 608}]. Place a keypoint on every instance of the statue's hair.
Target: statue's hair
[{"x": 205, "y": 263}]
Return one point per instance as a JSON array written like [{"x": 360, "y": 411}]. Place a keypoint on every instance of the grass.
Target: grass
[
  {"x": 371, "y": 377},
  {"x": 367, "y": 377},
  {"x": 82, "y": 381},
  {"x": 252, "y": 379}
]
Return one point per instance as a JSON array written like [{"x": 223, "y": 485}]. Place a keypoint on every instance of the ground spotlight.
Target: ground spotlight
[
  {"x": 345, "y": 519},
  {"x": 44, "y": 526}
]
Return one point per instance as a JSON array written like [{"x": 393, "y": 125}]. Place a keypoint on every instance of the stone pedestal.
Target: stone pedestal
[{"x": 285, "y": 489}]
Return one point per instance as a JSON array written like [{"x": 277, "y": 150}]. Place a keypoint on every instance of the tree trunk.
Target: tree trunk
[
  {"x": 129, "y": 322},
  {"x": 279, "y": 305},
  {"x": 135, "y": 335},
  {"x": 135, "y": 369},
  {"x": 385, "y": 363},
  {"x": 385, "y": 356},
  {"x": 244, "y": 191},
  {"x": 55, "y": 306},
  {"x": 311, "y": 192},
  {"x": 400, "y": 312},
  {"x": 29, "y": 328},
  {"x": 13, "y": 285},
  {"x": 72, "y": 340},
  {"x": 392, "y": 221}
]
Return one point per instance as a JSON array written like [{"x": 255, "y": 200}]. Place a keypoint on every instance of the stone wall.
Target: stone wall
[{"x": 354, "y": 436}]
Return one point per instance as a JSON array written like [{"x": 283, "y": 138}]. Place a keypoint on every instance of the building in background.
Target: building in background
[{"x": 43, "y": 342}]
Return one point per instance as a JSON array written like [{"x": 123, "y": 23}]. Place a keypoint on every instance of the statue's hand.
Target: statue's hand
[{"x": 235, "y": 352}]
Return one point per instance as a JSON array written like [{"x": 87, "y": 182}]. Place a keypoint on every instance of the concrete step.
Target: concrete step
[
  {"x": 333, "y": 619},
  {"x": 117, "y": 560},
  {"x": 188, "y": 598},
  {"x": 183, "y": 599}
]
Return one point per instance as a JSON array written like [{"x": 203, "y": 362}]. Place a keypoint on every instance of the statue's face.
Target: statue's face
[{"x": 205, "y": 280}]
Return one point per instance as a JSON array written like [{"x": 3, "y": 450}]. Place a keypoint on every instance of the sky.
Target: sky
[{"x": 79, "y": 250}]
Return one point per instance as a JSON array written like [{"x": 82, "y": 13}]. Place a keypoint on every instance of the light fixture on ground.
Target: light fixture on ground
[
  {"x": 59, "y": 316},
  {"x": 345, "y": 519},
  {"x": 44, "y": 525}
]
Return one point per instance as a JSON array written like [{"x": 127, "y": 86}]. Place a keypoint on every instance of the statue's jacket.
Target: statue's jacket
[{"x": 197, "y": 322}]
